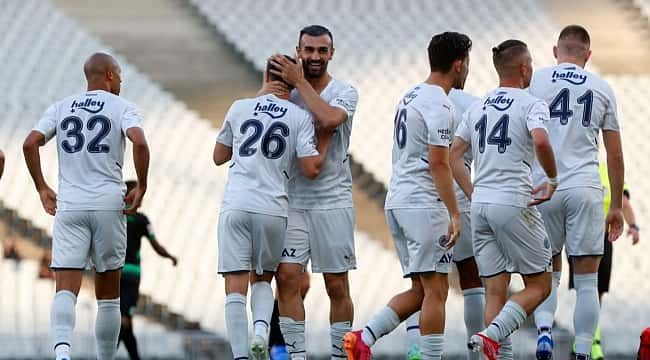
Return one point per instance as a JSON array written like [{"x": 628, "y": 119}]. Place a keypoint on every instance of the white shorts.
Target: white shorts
[
  {"x": 84, "y": 239},
  {"x": 420, "y": 236},
  {"x": 324, "y": 236},
  {"x": 575, "y": 217},
  {"x": 509, "y": 239},
  {"x": 249, "y": 241},
  {"x": 463, "y": 249}
]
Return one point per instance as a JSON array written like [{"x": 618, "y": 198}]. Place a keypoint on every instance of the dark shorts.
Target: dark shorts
[
  {"x": 604, "y": 270},
  {"x": 129, "y": 293}
]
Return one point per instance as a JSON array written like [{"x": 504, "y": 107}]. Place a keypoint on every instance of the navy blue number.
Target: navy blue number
[
  {"x": 498, "y": 135},
  {"x": 74, "y": 132},
  {"x": 275, "y": 135},
  {"x": 246, "y": 148},
  {"x": 400, "y": 128},
  {"x": 94, "y": 145},
  {"x": 559, "y": 107},
  {"x": 480, "y": 127},
  {"x": 587, "y": 99}
]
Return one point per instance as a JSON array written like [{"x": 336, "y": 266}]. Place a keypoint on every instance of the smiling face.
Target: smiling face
[{"x": 315, "y": 52}]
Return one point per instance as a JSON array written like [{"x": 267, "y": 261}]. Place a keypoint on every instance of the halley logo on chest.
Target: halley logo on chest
[
  {"x": 569, "y": 76},
  {"x": 271, "y": 109},
  {"x": 90, "y": 105},
  {"x": 501, "y": 102}
]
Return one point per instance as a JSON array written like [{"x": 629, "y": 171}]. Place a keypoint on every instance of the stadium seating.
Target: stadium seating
[
  {"x": 25, "y": 313},
  {"x": 644, "y": 5}
]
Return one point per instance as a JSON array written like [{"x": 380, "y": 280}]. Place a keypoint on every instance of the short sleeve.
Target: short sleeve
[
  {"x": 131, "y": 118},
  {"x": 610, "y": 121},
  {"x": 538, "y": 116},
  {"x": 225, "y": 133},
  {"x": 438, "y": 119},
  {"x": 464, "y": 131},
  {"x": 347, "y": 100},
  {"x": 47, "y": 124},
  {"x": 150, "y": 234},
  {"x": 306, "y": 138}
]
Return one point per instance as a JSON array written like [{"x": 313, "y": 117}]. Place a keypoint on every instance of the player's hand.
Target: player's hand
[
  {"x": 614, "y": 223},
  {"x": 453, "y": 231},
  {"x": 48, "y": 199},
  {"x": 541, "y": 194},
  {"x": 134, "y": 199},
  {"x": 174, "y": 260},
  {"x": 274, "y": 87},
  {"x": 290, "y": 72},
  {"x": 634, "y": 233}
]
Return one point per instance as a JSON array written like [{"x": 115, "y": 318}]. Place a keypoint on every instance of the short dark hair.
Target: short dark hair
[
  {"x": 447, "y": 47},
  {"x": 503, "y": 53},
  {"x": 315, "y": 30},
  {"x": 272, "y": 76},
  {"x": 130, "y": 185},
  {"x": 575, "y": 32}
]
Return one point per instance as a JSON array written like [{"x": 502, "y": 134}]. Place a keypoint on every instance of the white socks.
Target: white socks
[
  {"x": 474, "y": 304},
  {"x": 107, "y": 328},
  {"x": 237, "y": 325},
  {"x": 385, "y": 321},
  {"x": 262, "y": 308},
  {"x": 431, "y": 346},
  {"x": 294, "y": 337},
  {"x": 337, "y": 330},
  {"x": 413, "y": 330},
  {"x": 507, "y": 321},
  {"x": 545, "y": 312},
  {"x": 62, "y": 318},
  {"x": 587, "y": 311}
]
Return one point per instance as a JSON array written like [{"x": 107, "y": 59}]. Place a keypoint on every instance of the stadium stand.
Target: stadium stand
[
  {"x": 644, "y": 5},
  {"x": 24, "y": 310}
]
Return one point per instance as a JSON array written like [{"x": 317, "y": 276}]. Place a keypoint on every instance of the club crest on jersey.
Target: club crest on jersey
[
  {"x": 271, "y": 109},
  {"x": 500, "y": 102},
  {"x": 90, "y": 105},
  {"x": 410, "y": 96},
  {"x": 569, "y": 76}
]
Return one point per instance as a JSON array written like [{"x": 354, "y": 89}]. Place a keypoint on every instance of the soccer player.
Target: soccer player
[
  {"x": 605, "y": 266},
  {"x": 89, "y": 223},
  {"x": 581, "y": 104},
  {"x": 421, "y": 207},
  {"x": 269, "y": 140},
  {"x": 2, "y": 163},
  {"x": 321, "y": 213},
  {"x": 505, "y": 130},
  {"x": 137, "y": 227},
  {"x": 463, "y": 254}
]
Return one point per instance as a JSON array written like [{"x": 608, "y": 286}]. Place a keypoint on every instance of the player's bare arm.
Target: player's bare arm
[
  {"x": 2, "y": 163},
  {"x": 442, "y": 177},
  {"x": 221, "y": 154},
  {"x": 160, "y": 250},
  {"x": 616, "y": 170},
  {"x": 326, "y": 115},
  {"x": 141, "y": 163},
  {"x": 31, "y": 148},
  {"x": 544, "y": 153},
  {"x": 457, "y": 163},
  {"x": 311, "y": 166},
  {"x": 630, "y": 219}
]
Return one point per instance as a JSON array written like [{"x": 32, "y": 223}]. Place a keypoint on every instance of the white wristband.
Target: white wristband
[{"x": 553, "y": 181}]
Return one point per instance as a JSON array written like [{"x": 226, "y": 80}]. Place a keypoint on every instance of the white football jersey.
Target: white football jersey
[
  {"x": 90, "y": 130},
  {"x": 498, "y": 128},
  {"x": 423, "y": 118},
  {"x": 267, "y": 136},
  {"x": 332, "y": 189},
  {"x": 580, "y": 103},
  {"x": 462, "y": 101}
]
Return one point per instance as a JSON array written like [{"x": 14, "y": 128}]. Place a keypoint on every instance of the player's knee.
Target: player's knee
[
  {"x": 288, "y": 282},
  {"x": 337, "y": 288},
  {"x": 126, "y": 322}
]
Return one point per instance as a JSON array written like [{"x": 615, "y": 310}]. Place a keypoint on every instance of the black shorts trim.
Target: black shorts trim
[
  {"x": 515, "y": 272},
  {"x": 56, "y": 268}
]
